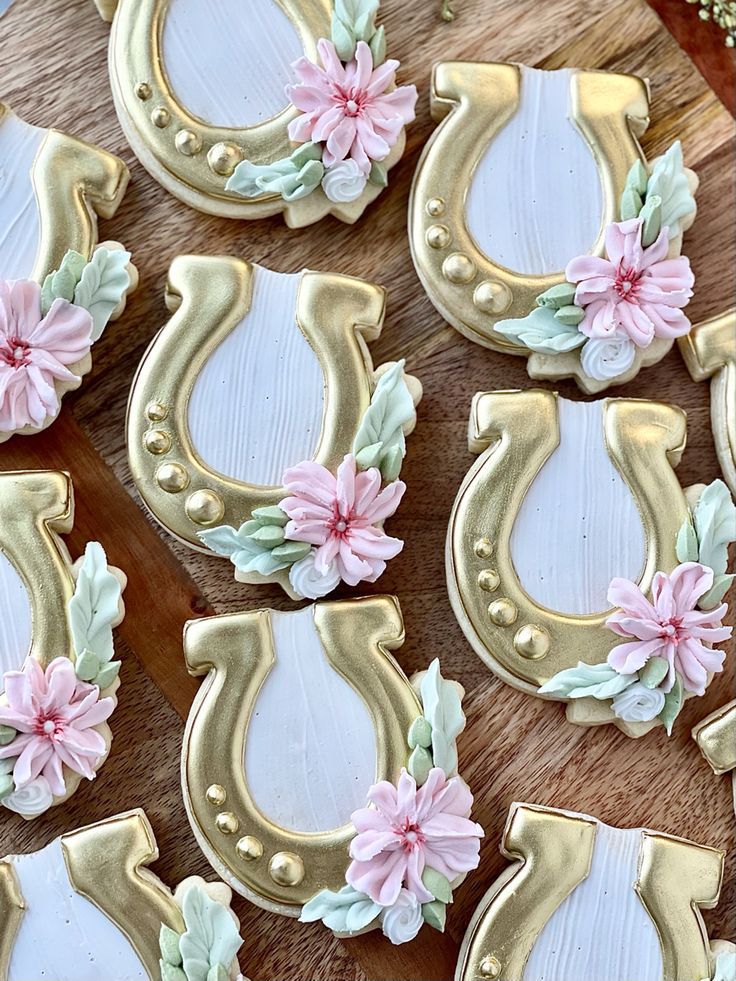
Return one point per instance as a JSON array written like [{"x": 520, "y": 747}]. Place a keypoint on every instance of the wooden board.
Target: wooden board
[{"x": 53, "y": 71}]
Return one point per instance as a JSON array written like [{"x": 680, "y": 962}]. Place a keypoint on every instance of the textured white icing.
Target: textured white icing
[
  {"x": 15, "y": 618},
  {"x": 578, "y": 526},
  {"x": 228, "y": 61},
  {"x": 601, "y": 932},
  {"x": 310, "y": 752},
  {"x": 63, "y": 936},
  {"x": 256, "y": 407},
  {"x": 20, "y": 229},
  {"x": 535, "y": 200}
]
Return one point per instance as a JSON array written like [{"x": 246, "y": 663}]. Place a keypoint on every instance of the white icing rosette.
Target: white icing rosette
[
  {"x": 344, "y": 181},
  {"x": 637, "y": 703},
  {"x": 402, "y": 921},
  {"x": 608, "y": 357},
  {"x": 308, "y": 582},
  {"x": 30, "y": 801}
]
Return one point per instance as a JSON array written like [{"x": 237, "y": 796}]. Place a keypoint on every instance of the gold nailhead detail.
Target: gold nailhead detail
[
  {"x": 438, "y": 236},
  {"x": 188, "y": 143},
  {"x": 143, "y": 91},
  {"x": 532, "y": 642},
  {"x": 227, "y": 823},
  {"x": 458, "y": 268},
  {"x": 204, "y": 507},
  {"x": 249, "y": 848},
  {"x": 223, "y": 158},
  {"x": 172, "y": 477},
  {"x": 156, "y": 412},
  {"x": 286, "y": 869},
  {"x": 489, "y": 580},
  {"x": 490, "y": 297},
  {"x": 216, "y": 795},
  {"x": 483, "y": 548},
  {"x": 157, "y": 441},
  {"x": 160, "y": 117},
  {"x": 490, "y": 967},
  {"x": 435, "y": 207},
  {"x": 503, "y": 612}
]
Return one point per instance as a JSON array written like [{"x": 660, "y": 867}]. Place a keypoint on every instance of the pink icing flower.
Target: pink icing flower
[
  {"x": 341, "y": 516},
  {"x": 34, "y": 352},
  {"x": 348, "y": 107},
  {"x": 670, "y": 626},
  {"x": 408, "y": 829},
  {"x": 633, "y": 291},
  {"x": 54, "y": 715}
]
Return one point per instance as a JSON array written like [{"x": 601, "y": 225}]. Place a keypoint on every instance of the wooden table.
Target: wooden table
[{"x": 53, "y": 69}]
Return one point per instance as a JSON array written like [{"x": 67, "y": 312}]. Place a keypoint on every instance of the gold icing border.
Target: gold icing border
[
  {"x": 12, "y": 907},
  {"x": 716, "y": 739}
]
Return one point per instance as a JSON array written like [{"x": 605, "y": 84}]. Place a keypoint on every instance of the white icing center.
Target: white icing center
[
  {"x": 256, "y": 407},
  {"x": 578, "y": 526},
  {"x": 229, "y": 61},
  {"x": 535, "y": 200},
  {"x": 20, "y": 229},
  {"x": 601, "y": 932},
  {"x": 310, "y": 753},
  {"x": 15, "y": 619},
  {"x": 63, "y": 936}
]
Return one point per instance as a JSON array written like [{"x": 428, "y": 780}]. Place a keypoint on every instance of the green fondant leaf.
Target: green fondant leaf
[
  {"x": 7, "y": 766},
  {"x": 223, "y": 540},
  {"x": 654, "y": 672},
  {"x": 385, "y": 420},
  {"x": 714, "y": 596},
  {"x": 218, "y": 973},
  {"x": 714, "y": 518},
  {"x": 638, "y": 178},
  {"x": 61, "y": 284},
  {"x": 442, "y": 707},
  {"x": 651, "y": 217},
  {"x": 570, "y": 315},
  {"x": 7, "y": 735},
  {"x": 391, "y": 464},
  {"x": 377, "y": 45},
  {"x": 305, "y": 153},
  {"x": 599, "y": 681},
  {"x": 631, "y": 203},
  {"x": 686, "y": 546},
  {"x": 94, "y": 606},
  {"x": 669, "y": 182},
  {"x": 291, "y": 552},
  {"x": 420, "y": 733},
  {"x": 435, "y": 915},
  {"x": 540, "y": 331},
  {"x": 103, "y": 284},
  {"x": 171, "y": 973},
  {"x": 271, "y": 516},
  {"x": 346, "y": 911},
  {"x": 672, "y": 704},
  {"x": 290, "y": 178},
  {"x": 7, "y": 785},
  {"x": 211, "y": 936},
  {"x": 369, "y": 456},
  {"x": 556, "y": 297},
  {"x": 246, "y": 555},
  {"x": 419, "y": 764},
  {"x": 379, "y": 174},
  {"x": 342, "y": 38},
  {"x": 107, "y": 675},
  {"x": 268, "y": 535},
  {"x": 87, "y": 666},
  {"x": 437, "y": 884},
  {"x": 168, "y": 942}
]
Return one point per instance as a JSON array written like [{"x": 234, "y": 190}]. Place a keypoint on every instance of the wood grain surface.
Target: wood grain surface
[{"x": 53, "y": 71}]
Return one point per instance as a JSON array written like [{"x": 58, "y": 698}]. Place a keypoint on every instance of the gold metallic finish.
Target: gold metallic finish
[
  {"x": 156, "y": 412},
  {"x": 716, "y": 739},
  {"x": 337, "y": 315},
  {"x": 160, "y": 117},
  {"x": 473, "y": 102},
  {"x": 435, "y": 207},
  {"x": 483, "y": 548},
  {"x": 157, "y": 441},
  {"x": 12, "y": 907},
  {"x": 516, "y": 433},
  {"x": 438, "y": 236},
  {"x": 503, "y": 612},
  {"x": 236, "y": 653},
  {"x": 188, "y": 142},
  {"x": 143, "y": 91},
  {"x": 532, "y": 642},
  {"x": 227, "y": 823},
  {"x": 286, "y": 869},
  {"x": 216, "y": 795},
  {"x": 249, "y": 849},
  {"x": 172, "y": 478},
  {"x": 489, "y": 968},
  {"x": 709, "y": 351},
  {"x": 223, "y": 158},
  {"x": 491, "y": 297},
  {"x": 489, "y": 580},
  {"x": 458, "y": 268},
  {"x": 205, "y": 508},
  {"x": 106, "y": 863}
]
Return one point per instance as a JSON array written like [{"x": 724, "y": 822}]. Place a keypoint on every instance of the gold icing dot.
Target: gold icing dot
[
  {"x": 435, "y": 207},
  {"x": 216, "y": 795},
  {"x": 204, "y": 507},
  {"x": 483, "y": 548},
  {"x": 489, "y": 580},
  {"x": 156, "y": 412},
  {"x": 490, "y": 967},
  {"x": 160, "y": 117},
  {"x": 458, "y": 268},
  {"x": 227, "y": 823},
  {"x": 490, "y": 297},
  {"x": 172, "y": 477},
  {"x": 188, "y": 143},
  {"x": 143, "y": 91},
  {"x": 157, "y": 441},
  {"x": 249, "y": 848},
  {"x": 503, "y": 612},
  {"x": 532, "y": 642},
  {"x": 286, "y": 869},
  {"x": 223, "y": 158},
  {"x": 438, "y": 236}
]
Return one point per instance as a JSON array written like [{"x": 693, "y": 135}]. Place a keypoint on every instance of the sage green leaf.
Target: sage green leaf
[
  {"x": 286, "y": 177},
  {"x": 87, "y": 666},
  {"x": 599, "y": 681},
  {"x": 631, "y": 204},
  {"x": 419, "y": 764},
  {"x": 420, "y": 733},
  {"x": 686, "y": 546},
  {"x": 377, "y": 45},
  {"x": 271, "y": 516},
  {"x": 246, "y": 555},
  {"x": 291, "y": 552},
  {"x": 103, "y": 284},
  {"x": 437, "y": 884},
  {"x": 391, "y": 412},
  {"x": 714, "y": 596},
  {"x": 442, "y": 708},
  {"x": 7, "y": 766},
  {"x": 672, "y": 704},
  {"x": 379, "y": 173},
  {"x": 391, "y": 463},
  {"x": 556, "y": 297},
  {"x": 638, "y": 178},
  {"x": 669, "y": 182},
  {"x": 369, "y": 456},
  {"x": 211, "y": 936},
  {"x": 168, "y": 941},
  {"x": 62, "y": 283},
  {"x": 651, "y": 218},
  {"x": 268, "y": 535},
  {"x": 7, "y": 785},
  {"x": 7, "y": 735},
  {"x": 107, "y": 675},
  {"x": 218, "y": 973},
  {"x": 346, "y": 911},
  {"x": 94, "y": 605},
  {"x": 540, "y": 331},
  {"x": 342, "y": 38},
  {"x": 171, "y": 973},
  {"x": 435, "y": 915},
  {"x": 654, "y": 672},
  {"x": 714, "y": 518},
  {"x": 570, "y": 315},
  {"x": 305, "y": 153}
]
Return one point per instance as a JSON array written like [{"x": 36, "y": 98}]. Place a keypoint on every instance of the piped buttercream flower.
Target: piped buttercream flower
[
  {"x": 408, "y": 829},
  {"x": 350, "y": 108},
  {"x": 634, "y": 290},
  {"x": 669, "y": 627},
  {"x": 341, "y": 516},
  {"x": 55, "y": 716}
]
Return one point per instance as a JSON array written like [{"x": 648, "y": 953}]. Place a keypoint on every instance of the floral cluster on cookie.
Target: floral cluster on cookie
[
  {"x": 415, "y": 841},
  {"x": 667, "y": 654},
  {"x": 329, "y": 527},
  {"x": 207, "y": 949},
  {"x": 52, "y": 720},
  {"x": 46, "y": 333},
  {"x": 611, "y": 307},
  {"x": 351, "y": 115}
]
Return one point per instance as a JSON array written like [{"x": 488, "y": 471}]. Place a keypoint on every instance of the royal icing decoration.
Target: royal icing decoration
[
  {"x": 716, "y": 739},
  {"x": 537, "y": 228},
  {"x": 579, "y": 569},
  {"x": 598, "y": 904},
  {"x": 59, "y": 677},
  {"x": 292, "y": 108},
  {"x": 87, "y": 908},
  {"x": 355, "y": 815},
  {"x": 259, "y": 430}
]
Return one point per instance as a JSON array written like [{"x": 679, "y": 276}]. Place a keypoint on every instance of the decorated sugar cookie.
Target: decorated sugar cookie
[
  {"x": 281, "y": 107},
  {"x": 58, "y": 288},
  {"x": 320, "y": 782},
  {"x": 59, "y": 676},
  {"x": 597, "y": 904},
  {"x": 87, "y": 908},
  {"x": 577, "y": 566},
  {"x": 710, "y": 352},
  {"x": 716, "y": 738},
  {"x": 537, "y": 227},
  {"x": 258, "y": 428}
]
